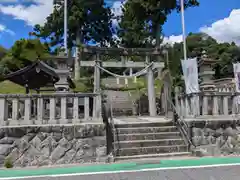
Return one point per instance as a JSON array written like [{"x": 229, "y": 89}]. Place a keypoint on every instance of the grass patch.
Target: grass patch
[
  {"x": 84, "y": 85},
  {"x": 8, "y": 87}
]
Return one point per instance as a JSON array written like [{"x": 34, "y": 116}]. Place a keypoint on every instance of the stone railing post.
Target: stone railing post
[
  {"x": 187, "y": 107},
  {"x": 215, "y": 105},
  {"x": 182, "y": 106},
  {"x": 40, "y": 119},
  {"x": 15, "y": 109},
  {"x": 194, "y": 100},
  {"x": 75, "y": 110},
  {"x": 27, "y": 110},
  {"x": 4, "y": 111},
  {"x": 52, "y": 109},
  {"x": 63, "y": 109},
  {"x": 86, "y": 108},
  {"x": 225, "y": 102},
  {"x": 198, "y": 105},
  {"x": 234, "y": 105},
  {"x": 205, "y": 105},
  {"x": 40, "y": 110}
]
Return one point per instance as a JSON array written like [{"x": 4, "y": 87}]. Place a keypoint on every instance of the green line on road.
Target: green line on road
[{"x": 4, "y": 173}]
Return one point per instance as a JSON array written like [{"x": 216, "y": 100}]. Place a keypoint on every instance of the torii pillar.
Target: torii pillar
[
  {"x": 151, "y": 90},
  {"x": 97, "y": 101}
]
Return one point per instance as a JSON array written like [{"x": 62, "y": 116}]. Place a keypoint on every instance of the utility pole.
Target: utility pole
[
  {"x": 65, "y": 27},
  {"x": 183, "y": 31}
]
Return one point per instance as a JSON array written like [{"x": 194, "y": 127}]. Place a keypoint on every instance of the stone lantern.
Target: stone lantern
[
  {"x": 206, "y": 72},
  {"x": 63, "y": 72}
]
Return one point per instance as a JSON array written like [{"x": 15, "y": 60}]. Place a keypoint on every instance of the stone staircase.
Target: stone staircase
[
  {"x": 121, "y": 102},
  {"x": 148, "y": 140}
]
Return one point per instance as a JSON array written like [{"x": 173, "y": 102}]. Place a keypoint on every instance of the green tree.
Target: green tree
[
  {"x": 23, "y": 53},
  {"x": 142, "y": 20},
  {"x": 223, "y": 53},
  {"x": 87, "y": 20},
  {"x": 197, "y": 43},
  {"x": 3, "y": 52}
]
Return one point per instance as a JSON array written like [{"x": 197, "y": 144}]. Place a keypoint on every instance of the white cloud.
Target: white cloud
[
  {"x": 117, "y": 12},
  {"x": 3, "y": 28},
  {"x": 172, "y": 39},
  {"x": 117, "y": 8},
  {"x": 37, "y": 12},
  {"x": 33, "y": 14},
  {"x": 225, "y": 30}
]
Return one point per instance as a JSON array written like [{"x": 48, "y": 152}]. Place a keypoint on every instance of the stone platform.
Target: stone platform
[
  {"x": 51, "y": 145},
  {"x": 141, "y": 119},
  {"x": 215, "y": 138}
]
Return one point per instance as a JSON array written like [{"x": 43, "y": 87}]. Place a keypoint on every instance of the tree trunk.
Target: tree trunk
[
  {"x": 157, "y": 45},
  {"x": 158, "y": 33},
  {"x": 77, "y": 58}
]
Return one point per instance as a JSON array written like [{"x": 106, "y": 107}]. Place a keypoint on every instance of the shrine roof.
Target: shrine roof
[{"x": 35, "y": 76}]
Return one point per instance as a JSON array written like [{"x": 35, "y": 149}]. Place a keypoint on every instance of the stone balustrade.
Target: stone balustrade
[
  {"x": 211, "y": 104},
  {"x": 39, "y": 109}
]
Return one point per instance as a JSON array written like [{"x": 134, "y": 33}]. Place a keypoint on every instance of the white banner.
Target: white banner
[
  {"x": 190, "y": 74},
  {"x": 236, "y": 70}
]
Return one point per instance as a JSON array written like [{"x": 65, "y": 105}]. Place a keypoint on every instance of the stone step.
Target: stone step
[
  {"x": 150, "y": 150},
  {"x": 148, "y": 143},
  {"x": 144, "y": 125},
  {"x": 149, "y": 156},
  {"x": 146, "y": 129},
  {"x": 147, "y": 136}
]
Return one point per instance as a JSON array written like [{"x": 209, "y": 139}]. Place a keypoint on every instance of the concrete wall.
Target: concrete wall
[
  {"x": 48, "y": 145},
  {"x": 216, "y": 138}
]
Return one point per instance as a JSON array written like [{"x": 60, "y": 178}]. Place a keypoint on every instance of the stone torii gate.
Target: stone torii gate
[{"x": 123, "y": 53}]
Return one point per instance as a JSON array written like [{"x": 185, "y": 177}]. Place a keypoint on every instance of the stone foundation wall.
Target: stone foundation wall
[
  {"x": 48, "y": 145},
  {"x": 216, "y": 138}
]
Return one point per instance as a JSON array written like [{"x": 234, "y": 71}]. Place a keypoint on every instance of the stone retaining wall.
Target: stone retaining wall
[
  {"x": 216, "y": 138},
  {"x": 48, "y": 145}
]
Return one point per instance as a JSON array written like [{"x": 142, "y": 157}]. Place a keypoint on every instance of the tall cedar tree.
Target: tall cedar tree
[
  {"x": 142, "y": 20},
  {"x": 87, "y": 20}
]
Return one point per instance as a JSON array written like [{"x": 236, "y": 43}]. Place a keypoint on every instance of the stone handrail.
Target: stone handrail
[
  {"x": 40, "y": 109},
  {"x": 211, "y": 104}
]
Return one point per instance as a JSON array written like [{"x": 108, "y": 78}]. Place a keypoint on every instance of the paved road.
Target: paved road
[{"x": 209, "y": 173}]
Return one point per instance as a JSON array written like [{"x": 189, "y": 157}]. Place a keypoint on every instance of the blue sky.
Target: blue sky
[{"x": 218, "y": 18}]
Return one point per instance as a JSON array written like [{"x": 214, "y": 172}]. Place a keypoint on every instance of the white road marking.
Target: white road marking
[{"x": 121, "y": 171}]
